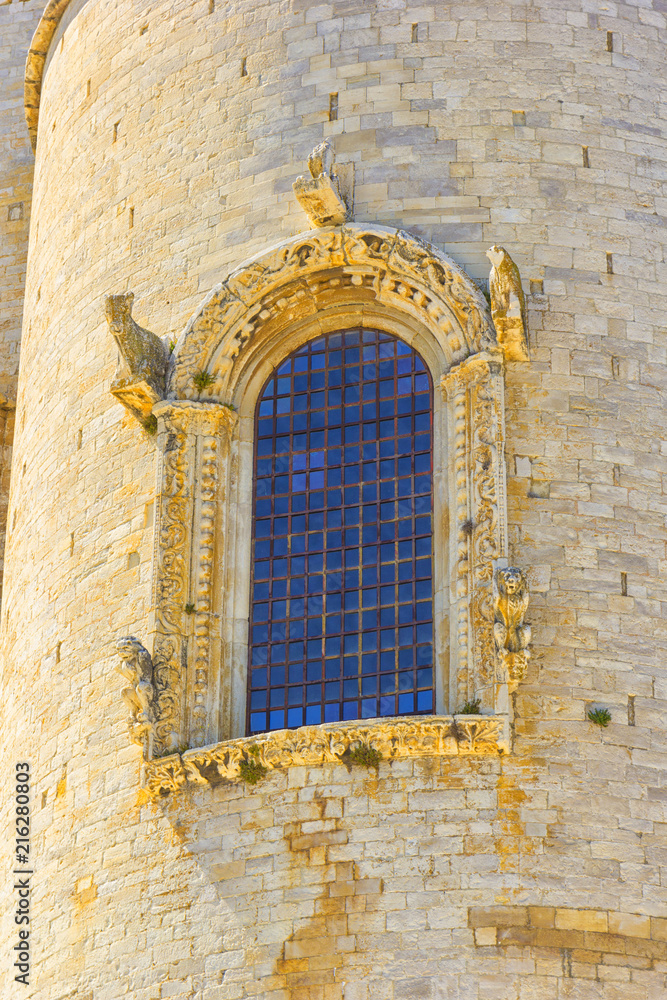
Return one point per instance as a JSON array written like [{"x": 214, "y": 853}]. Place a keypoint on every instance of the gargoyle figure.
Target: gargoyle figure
[
  {"x": 508, "y": 306},
  {"x": 511, "y": 632},
  {"x": 136, "y": 666},
  {"x": 321, "y": 195},
  {"x": 140, "y": 376}
]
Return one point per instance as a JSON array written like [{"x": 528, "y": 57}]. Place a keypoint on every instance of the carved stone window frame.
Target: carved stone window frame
[{"x": 329, "y": 279}]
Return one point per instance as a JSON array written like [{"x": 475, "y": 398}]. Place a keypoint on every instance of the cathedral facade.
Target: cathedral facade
[{"x": 333, "y": 614}]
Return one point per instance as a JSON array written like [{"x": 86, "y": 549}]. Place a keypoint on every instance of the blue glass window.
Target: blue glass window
[{"x": 342, "y": 612}]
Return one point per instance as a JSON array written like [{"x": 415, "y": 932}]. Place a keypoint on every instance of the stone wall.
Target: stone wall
[
  {"x": 169, "y": 137},
  {"x": 17, "y": 23}
]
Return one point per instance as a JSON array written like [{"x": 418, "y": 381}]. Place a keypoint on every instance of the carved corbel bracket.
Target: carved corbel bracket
[
  {"x": 508, "y": 306},
  {"x": 193, "y": 480},
  {"x": 474, "y": 391},
  {"x": 325, "y": 196},
  {"x": 511, "y": 632},
  {"x": 136, "y": 666},
  {"x": 139, "y": 382}
]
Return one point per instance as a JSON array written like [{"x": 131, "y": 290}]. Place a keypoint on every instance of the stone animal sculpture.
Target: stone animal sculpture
[
  {"x": 511, "y": 631},
  {"x": 508, "y": 305},
  {"x": 144, "y": 359},
  {"x": 320, "y": 195},
  {"x": 136, "y": 666}
]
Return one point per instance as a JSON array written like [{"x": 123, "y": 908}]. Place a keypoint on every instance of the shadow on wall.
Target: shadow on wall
[
  {"x": 299, "y": 868},
  {"x": 341, "y": 884}
]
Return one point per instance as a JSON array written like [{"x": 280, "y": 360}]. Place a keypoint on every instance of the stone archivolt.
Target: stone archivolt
[
  {"x": 34, "y": 70},
  {"x": 393, "y": 739},
  {"x": 328, "y": 267},
  {"x": 310, "y": 284}
]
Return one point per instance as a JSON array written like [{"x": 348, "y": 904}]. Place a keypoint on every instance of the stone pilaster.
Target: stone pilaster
[
  {"x": 194, "y": 447},
  {"x": 474, "y": 393}
]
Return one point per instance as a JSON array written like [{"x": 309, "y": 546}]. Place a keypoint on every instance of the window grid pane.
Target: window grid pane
[{"x": 341, "y": 621}]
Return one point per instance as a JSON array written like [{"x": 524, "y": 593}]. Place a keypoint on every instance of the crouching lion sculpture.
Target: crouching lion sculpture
[
  {"x": 511, "y": 632},
  {"x": 136, "y": 666}
]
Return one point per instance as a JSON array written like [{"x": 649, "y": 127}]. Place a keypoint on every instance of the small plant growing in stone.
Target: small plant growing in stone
[
  {"x": 471, "y": 707},
  {"x": 365, "y": 755},
  {"x": 230, "y": 406},
  {"x": 150, "y": 425},
  {"x": 172, "y": 346},
  {"x": 167, "y": 751},
  {"x": 599, "y": 716},
  {"x": 484, "y": 289},
  {"x": 203, "y": 379},
  {"x": 252, "y": 770},
  {"x": 189, "y": 609}
]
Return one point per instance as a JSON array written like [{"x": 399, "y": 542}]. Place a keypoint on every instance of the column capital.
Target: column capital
[
  {"x": 192, "y": 416},
  {"x": 472, "y": 369}
]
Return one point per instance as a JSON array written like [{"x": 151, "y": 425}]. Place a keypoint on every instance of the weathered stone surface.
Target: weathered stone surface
[{"x": 321, "y": 882}]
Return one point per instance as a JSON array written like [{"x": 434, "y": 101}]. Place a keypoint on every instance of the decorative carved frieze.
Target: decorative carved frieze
[
  {"x": 474, "y": 390},
  {"x": 300, "y": 275},
  {"x": 136, "y": 666},
  {"x": 511, "y": 632},
  {"x": 393, "y": 739},
  {"x": 140, "y": 378},
  {"x": 508, "y": 306}
]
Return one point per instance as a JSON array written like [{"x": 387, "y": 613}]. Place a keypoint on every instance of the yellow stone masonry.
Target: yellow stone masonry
[{"x": 169, "y": 136}]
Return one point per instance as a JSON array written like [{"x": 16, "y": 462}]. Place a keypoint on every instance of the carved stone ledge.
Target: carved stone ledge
[
  {"x": 301, "y": 275},
  {"x": 394, "y": 739}
]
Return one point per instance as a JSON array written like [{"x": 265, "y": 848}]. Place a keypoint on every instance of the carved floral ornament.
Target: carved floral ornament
[{"x": 318, "y": 282}]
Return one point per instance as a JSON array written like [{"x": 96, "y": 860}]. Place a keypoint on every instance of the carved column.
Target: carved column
[
  {"x": 194, "y": 446},
  {"x": 474, "y": 391}
]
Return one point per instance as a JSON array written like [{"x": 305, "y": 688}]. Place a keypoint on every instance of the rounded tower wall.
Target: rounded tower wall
[{"x": 169, "y": 138}]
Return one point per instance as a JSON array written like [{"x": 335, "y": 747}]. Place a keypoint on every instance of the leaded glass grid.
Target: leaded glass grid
[{"x": 341, "y": 620}]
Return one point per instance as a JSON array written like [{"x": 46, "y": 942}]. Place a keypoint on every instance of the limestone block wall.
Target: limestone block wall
[
  {"x": 169, "y": 136},
  {"x": 17, "y": 24}
]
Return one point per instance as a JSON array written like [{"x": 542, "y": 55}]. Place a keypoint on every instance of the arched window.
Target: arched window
[
  {"x": 227, "y": 462},
  {"x": 341, "y": 620}
]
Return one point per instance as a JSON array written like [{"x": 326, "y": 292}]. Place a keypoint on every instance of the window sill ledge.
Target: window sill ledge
[{"x": 252, "y": 757}]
